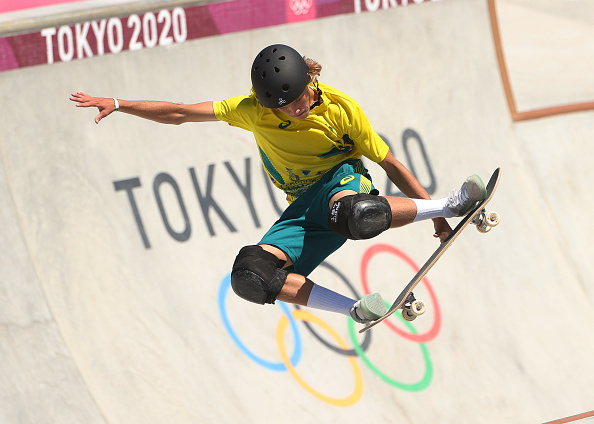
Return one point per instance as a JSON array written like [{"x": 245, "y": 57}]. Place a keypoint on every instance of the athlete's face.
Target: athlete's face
[{"x": 299, "y": 109}]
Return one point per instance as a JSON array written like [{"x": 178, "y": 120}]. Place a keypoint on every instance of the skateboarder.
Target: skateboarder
[{"x": 311, "y": 138}]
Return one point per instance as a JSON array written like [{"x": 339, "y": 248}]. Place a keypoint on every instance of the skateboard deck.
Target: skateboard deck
[{"x": 477, "y": 216}]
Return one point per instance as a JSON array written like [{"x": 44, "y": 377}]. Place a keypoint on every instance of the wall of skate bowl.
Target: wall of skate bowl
[{"x": 118, "y": 238}]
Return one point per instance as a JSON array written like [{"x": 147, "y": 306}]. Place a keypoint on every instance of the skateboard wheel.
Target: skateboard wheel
[
  {"x": 492, "y": 219},
  {"x": 408, "y": 315},
  {"x": 418, "y": 308}
]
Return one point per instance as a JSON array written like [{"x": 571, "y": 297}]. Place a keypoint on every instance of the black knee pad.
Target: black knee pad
[
  {"x": 257, "y": 275},
  {"x": 360, "y": 216}
]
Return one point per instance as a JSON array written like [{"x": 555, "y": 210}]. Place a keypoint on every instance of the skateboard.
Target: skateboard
[{"x": 484, "y": 221}]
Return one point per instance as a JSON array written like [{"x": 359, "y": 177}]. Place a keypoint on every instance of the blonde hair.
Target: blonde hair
[{"x": 313, "y": 69}]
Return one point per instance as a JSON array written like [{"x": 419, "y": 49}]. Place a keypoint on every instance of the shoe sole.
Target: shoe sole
[{"x": 373, "y": 306}]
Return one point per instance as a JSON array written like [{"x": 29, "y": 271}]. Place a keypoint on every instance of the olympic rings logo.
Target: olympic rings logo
[
  {"x": 300, "y": 7},
  {"x": 289, "y": 361}
]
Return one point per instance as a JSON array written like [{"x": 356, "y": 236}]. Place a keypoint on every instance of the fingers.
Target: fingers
[
  {"x": 442, "y": 233},
  {"x": 442, "y": 229},
  {"x": 75, "y": 96},
  {"x": 82, "y": 99},
  {"x": 442, "y": 236},
  {"x": 101, "y": 115}
]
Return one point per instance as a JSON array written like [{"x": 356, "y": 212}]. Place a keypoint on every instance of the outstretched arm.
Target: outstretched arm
[
  {"x": 410, "y": 186},
  {"x": 162, "y": 112}
]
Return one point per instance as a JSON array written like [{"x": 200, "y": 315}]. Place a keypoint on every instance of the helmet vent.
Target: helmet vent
[
  {"x": 281, "y": 58},
  {"x": 276, "y": 70},
  {"x": 285, "y": 87},
  {"x": 269, "y": 94}
]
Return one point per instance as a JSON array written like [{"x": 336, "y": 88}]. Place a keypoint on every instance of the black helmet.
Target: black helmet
[{"x": 279, "y": 75}]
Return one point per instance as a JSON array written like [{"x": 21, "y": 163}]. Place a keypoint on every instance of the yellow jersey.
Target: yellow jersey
[{"x": 297, "y": 153}]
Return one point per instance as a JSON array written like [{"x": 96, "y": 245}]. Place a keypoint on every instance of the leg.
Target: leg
[
  {"x": 297, "y": 288},
  {"x": 257, "y": 276},
  {"x": 302, "y": 291},
  {"x": 360, "y": 216},
  {"x": 404, "y": 210}
]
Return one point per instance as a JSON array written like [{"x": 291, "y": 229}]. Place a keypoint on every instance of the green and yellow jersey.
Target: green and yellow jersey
[{"x": 296, "y": 154}]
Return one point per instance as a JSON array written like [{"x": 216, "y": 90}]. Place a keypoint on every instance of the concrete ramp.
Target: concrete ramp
[{"x": 118, "y": 239}]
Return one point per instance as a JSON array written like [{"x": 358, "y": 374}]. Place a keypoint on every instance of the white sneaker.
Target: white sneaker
[
  {"x": 369, "y": 308},
  {"x": 460, "y": 202}
]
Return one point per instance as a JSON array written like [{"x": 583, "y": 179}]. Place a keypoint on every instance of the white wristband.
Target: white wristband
[{"x": 117, "y": 104}]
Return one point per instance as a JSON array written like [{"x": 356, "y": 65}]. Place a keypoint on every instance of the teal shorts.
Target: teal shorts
[{"x": 302, "y": 231}]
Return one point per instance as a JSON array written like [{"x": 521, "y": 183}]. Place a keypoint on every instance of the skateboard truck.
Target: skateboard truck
[
  {"x": 485, "y": 221},
  {"x": 412, "y": 308}
]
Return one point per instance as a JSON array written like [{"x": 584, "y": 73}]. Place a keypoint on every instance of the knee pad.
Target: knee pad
[
  {"x": 360, "y": 216},
  {"x": 257, "y": 275}
]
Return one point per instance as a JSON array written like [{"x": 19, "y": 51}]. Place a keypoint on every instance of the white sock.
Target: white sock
[
  {"x": 328, "y": 300},
  {"x": 429, "y": 209}
]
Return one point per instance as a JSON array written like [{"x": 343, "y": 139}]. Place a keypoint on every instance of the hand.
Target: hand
[
  {"x": 442, "y": 229},
  {"x": 105, "y": 105}
]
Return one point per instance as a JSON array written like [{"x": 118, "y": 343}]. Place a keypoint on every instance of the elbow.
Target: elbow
[
  {"x": 176, "y": 119},
  {"x": 176, "y": 116}
]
